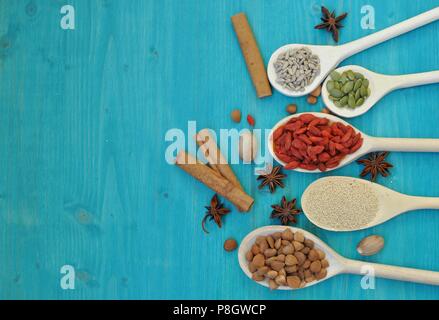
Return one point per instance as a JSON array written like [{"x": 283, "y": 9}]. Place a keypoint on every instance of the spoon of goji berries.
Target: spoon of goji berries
[{"x": 317, "y": 142}]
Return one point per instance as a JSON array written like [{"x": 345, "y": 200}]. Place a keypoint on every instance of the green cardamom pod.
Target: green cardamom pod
[{"x": 336, "y": 93}]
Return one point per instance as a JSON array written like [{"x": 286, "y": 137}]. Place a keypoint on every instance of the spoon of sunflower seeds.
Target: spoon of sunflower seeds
[
  {"x": 296, "y": 69},
  {"x": 374, "y": 87},
  {"x": 335, "y": 263}
]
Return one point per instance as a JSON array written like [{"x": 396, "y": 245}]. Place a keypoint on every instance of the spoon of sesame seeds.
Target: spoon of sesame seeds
[
  {"x": 367, "y": 144},
  {"x": 295, "y": 73},
  {"x": 379, "y": 84},
  {"x": 337, "y": 263},
  {"x": 350, "y": 204}
]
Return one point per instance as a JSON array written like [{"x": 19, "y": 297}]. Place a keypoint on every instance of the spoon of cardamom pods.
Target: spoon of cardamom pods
[
  {"x": 297, "y": 69},
  {"x": 351, "y": 91},
  {"x": 335, "y": 263}
]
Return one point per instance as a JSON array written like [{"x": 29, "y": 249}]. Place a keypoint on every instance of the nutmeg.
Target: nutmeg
[{"x": 370, "y": 245}]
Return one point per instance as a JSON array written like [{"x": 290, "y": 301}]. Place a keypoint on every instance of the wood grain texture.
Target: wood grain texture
[{"x": 83, "y": 116}]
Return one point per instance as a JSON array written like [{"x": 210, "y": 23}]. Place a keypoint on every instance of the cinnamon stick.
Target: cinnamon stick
[
  {"x": 252, "y": 55},
  {"x": 214, "y": 156},
  {"x": 210, "y": 178}
]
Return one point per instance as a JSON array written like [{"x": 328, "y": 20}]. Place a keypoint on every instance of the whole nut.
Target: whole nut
[
  {"x": 317, "y": 91},
  {"x": 287, "y": 235},
  {"x": 230, "y": 245},
  {"x": 251, "y": 267},
  {"x": 309, "y": 243},
  {"x": 272, "y": 274},
  {"x": 248, "y": 146},
  {"x": 291, "y": 260},
  {"x": 263, "y": 246},
  {"x": 322, "y": 255},
  {"x": 298, "y": 245},
  {"x": 291, "y": 269},
  {"x": 262, "y": 270},
  {"x": 270, "y": 253},
  {"x": 281, "y": 258},
  {"x": 288, "y": 250},
  {"x": 305, "y": 250},
  {"x": 272, "y": 284},
  {"x": 300, "y": 257},
  {"x": 370, "y": 245},
  {"x": 298, "y": 236},
  {"x": 282, "y": 272},
  {"x": 325, "y": 110},
  {"x": 255, "y": 249},
  {"x": 281, "y": 280},
  {"x": 277, "y": 265},
  {"x": 258, "y": 260},
  {"x": 324, "y": 263},
  {"x": 278, "y": 243},
  {"x": 313, "y": 255},
  {"x": 236, "y": 115},
  {"x": 270, "y": 241},
  {"x": 311, "y": 99},
  {"x": 315, "y": 266},
  {"x": 257, "y": 277},
  {"x": 321, "y": 274},
  {"x": 249, "y": 256},
  {"x": 293, "y": 282},
  {"x": 292, "y": 108},
  {"x": 276, "y": 235},
  {"x": 306, "y": 264}
]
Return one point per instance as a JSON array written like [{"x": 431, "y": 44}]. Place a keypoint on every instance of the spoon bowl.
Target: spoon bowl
[
  {"x": 380, "y": 85},
  {"x": 365, "y": 148},
  {"x": 335, "y": 266},
  {"x": 328, "y": 59},
  {"x": 390, "y": 202},
  {"x": 337, "y": 263},
  {"x": 370, "y": 144}
]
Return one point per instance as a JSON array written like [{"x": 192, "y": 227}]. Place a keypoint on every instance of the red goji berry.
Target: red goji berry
[{"x": 251, "y": 120}]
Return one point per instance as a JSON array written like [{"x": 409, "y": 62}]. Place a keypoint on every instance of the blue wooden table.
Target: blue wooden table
[{"x": 83, "y": 118}]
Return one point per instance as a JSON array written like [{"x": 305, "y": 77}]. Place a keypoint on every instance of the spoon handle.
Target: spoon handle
[
  {"x": 410, "y": 203},
  {"x": 361, "y": 44},
  {"x": 404, "y": 145},
  {"x": 391, "y": 272},
  {"x": 415, "y": 79}
]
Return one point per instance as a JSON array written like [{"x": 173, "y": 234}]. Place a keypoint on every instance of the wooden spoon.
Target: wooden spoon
[
  {"x": 390, "y": 203},
  {"x": 331, "y": 56},
  {"x": 380, "y": 85},
  {"x": 337, "y": 263},
  {"x": 370, "y": 144}
]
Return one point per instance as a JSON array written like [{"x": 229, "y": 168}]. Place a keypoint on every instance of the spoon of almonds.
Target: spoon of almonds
[{"x": 334, "y": 264}]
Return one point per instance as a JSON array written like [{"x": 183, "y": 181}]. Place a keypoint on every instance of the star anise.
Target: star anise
[
  {"x": 375, "y": 164},
  {"x": 272, "y": 179},
  {"x": 331, "y": 22},
  {"x": 214, "y": 212},
  {"x": 286, "y": 211}
]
